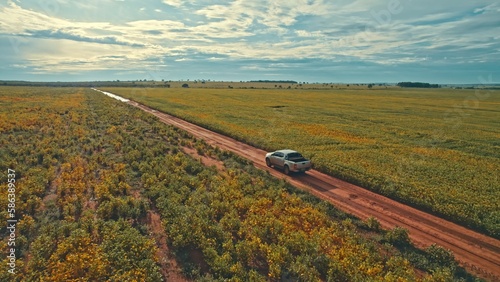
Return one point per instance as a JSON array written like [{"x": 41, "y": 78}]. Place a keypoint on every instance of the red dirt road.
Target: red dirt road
[{"x": 478, "y": 253}]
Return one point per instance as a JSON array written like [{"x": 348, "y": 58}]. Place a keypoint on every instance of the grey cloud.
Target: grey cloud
[
  {"x": 153, "y": 32},
  {"x": 60, "y": 34}
]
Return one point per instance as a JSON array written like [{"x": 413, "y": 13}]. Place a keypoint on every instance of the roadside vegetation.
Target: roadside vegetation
[
  {"x": 435, "y": 149},
  {"x": 89, "y": 169}
]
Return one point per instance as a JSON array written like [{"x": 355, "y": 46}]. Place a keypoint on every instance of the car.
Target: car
[{"x": 288, "y": 160}]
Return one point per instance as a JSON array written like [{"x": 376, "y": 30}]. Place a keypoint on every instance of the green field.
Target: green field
[
  {"x": 87, "y": 171},
  {"x": 437, "y": 149}
]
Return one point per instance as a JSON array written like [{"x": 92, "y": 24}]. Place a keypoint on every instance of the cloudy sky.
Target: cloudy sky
[{"x": 437, "y": 41}]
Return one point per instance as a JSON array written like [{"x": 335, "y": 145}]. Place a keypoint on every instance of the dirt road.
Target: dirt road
[{"x": 478, "y": 253}]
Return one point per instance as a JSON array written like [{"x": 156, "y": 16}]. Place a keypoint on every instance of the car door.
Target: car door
[
  {"x": 273, "y": 158},
  {"x": 277, "y": 159}
]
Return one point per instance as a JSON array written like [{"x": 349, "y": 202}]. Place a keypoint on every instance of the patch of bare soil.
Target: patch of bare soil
[
  {"x": 170, "y": 270},
  {"x": 169, "y": 267},
  {"x": 206, "y": 161}
]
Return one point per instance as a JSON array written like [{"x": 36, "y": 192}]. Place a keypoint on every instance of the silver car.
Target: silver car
[{"x": 288, "y": 160}]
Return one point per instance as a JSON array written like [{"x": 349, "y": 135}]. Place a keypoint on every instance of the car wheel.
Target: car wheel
[
  {"x": 287, "y": 170},
  {"x": 268, "y": 162}
]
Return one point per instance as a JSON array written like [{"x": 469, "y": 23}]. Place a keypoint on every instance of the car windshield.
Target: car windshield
[{"x": 294, "y": 156}]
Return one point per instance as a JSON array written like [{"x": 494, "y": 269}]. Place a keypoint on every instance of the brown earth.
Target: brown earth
[
  {"x": 477, "y": 253},
  {"x": 206, "y": 161},
  {"x": 170, "y": 269}
]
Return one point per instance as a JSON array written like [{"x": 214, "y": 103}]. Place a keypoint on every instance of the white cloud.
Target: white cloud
[
  {"x": 175, "y": 3},
  {"x": 59, "y": 56},
  {"x": 277, "y": 13}
]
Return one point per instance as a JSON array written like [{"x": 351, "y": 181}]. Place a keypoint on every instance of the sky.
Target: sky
[{"x": 340, "y": 41}]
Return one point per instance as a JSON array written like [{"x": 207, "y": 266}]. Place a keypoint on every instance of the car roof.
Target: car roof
[{"x": 286, "y": 151}]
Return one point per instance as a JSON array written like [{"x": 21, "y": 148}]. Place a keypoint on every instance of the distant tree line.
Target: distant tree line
[
  {"x": 418, "y": 85},
  {"x": 274, "y": 81}
]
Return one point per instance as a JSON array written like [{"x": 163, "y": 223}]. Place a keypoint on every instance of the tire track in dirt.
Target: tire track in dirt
[{"x": 476, "y": 252}]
